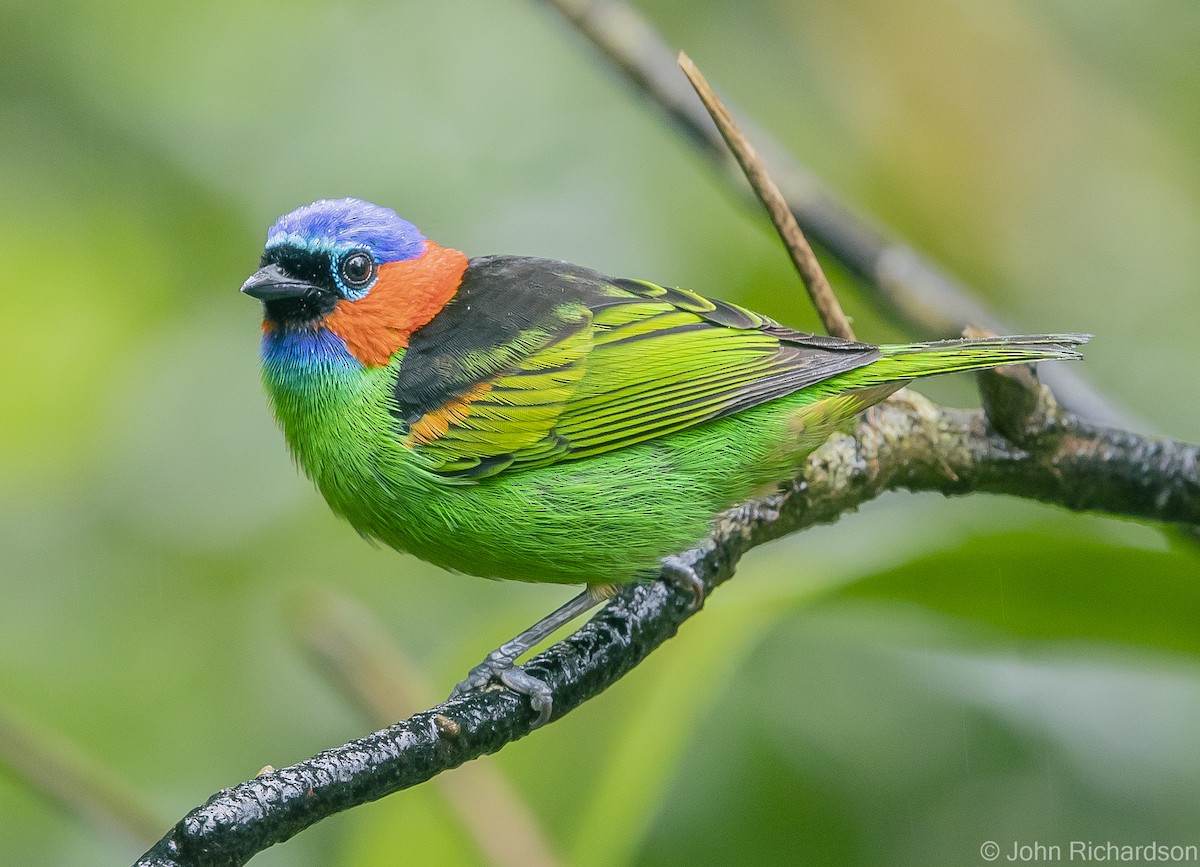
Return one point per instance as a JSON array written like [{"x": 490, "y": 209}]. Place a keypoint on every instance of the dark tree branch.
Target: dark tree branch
[
  {"x": 914, "y": 289},
  {"x": 909, "y": 444},
  {"x": 360, "y": 659}
]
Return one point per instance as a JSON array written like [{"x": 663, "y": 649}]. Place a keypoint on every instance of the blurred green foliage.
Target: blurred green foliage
[{"x": 898, "y": 688}]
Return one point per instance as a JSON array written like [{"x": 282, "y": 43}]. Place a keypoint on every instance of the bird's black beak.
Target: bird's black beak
[{"x": 272, "y": 283}]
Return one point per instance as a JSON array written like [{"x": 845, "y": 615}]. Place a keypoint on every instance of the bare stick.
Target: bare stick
[{"x": 798, "y": 248}]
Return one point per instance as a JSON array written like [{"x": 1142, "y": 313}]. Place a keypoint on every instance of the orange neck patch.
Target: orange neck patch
[{"x": 406, "y": 295}]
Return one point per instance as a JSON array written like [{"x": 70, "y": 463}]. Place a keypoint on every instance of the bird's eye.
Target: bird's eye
[{"x": 357, "y": 269}]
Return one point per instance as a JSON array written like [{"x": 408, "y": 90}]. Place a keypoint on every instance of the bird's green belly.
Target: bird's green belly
[{"x": 602, "y": 519}]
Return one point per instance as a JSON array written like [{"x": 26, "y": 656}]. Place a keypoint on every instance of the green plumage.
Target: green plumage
[{"x": 551, "y": 424}]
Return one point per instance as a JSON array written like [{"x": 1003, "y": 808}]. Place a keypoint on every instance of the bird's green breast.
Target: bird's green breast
[{"x": 334, "y": 414}]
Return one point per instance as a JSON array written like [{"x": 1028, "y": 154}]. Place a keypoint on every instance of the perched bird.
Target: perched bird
[{"x": 529, "y": 419}]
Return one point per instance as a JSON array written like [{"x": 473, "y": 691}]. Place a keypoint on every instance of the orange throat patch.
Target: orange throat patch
[{"x": 406, "y": 295}]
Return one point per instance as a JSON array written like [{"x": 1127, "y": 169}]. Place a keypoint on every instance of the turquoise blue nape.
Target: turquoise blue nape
[{"x": 337, "y": 225}]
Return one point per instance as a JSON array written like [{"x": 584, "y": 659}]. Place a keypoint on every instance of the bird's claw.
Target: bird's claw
[
  {"x": 680, "y": 573},
  {"x": 522, "y": 683},
  {"x": 477, "y": 678},
  {"x": 499, "y": 667}
]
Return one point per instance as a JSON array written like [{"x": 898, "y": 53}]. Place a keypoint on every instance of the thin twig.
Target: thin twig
[
  {"x": 913, "y": 288},
  {"x": 75, "y": 782},
  {"x": 798, "y": 248}
]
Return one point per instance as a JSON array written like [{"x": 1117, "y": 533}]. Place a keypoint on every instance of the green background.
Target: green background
[{"x": 900, "y": 687}]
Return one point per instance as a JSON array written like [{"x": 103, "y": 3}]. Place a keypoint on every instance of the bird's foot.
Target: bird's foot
[
  {"x": 498, "y": 666},
  {"x": 681, "y": 573}
]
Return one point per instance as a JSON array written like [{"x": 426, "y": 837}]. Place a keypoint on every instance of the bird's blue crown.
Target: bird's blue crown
[{"x": 340, "y": 224}]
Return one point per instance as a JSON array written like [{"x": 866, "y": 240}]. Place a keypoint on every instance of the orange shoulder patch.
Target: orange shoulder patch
[
  {"x": 435, "y": 423},
  {"x": 406, "y": 295}
]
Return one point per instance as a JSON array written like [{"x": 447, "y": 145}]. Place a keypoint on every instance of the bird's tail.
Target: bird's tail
[
  {"x": 912, "y": 360},
  {"x": 835, "y": 401}
]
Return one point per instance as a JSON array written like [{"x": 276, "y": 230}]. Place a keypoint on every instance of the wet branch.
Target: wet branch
[{"x": 1048, "y": 454}]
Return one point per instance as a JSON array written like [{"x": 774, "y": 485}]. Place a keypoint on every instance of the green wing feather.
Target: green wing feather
[{"x": 611, "y": 364}]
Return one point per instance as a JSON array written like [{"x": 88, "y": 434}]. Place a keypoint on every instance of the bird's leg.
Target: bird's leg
[{"x": 499, "y": 664}]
